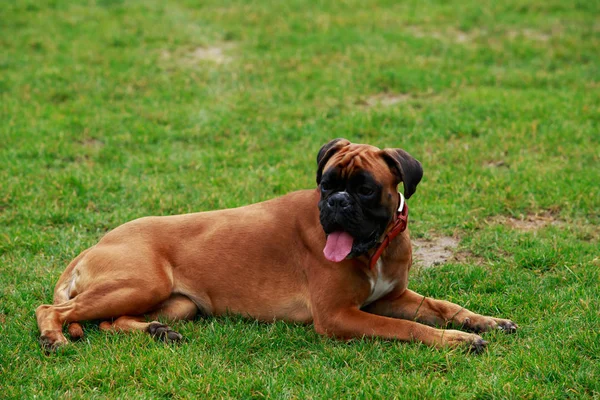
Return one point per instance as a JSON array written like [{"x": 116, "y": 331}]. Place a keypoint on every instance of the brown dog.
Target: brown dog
[{"x": 315, "y": 256}]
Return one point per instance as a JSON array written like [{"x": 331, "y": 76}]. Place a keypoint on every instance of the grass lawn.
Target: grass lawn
[{"x": 111, "y": 110}]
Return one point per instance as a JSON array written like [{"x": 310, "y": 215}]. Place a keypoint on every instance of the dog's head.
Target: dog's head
[{"x": 359, "y": 194}]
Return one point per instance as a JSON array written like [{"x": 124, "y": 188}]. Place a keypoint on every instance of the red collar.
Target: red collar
[{"x": 399, "y": 227}]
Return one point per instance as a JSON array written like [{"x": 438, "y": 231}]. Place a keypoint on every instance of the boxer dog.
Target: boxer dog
[{"x": 337, "y": 256}]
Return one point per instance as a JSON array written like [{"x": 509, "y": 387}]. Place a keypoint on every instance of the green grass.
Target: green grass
[{"x": 106, "y": 116}]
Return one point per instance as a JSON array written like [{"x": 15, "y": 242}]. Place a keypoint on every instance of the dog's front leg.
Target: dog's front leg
[
  {"x": 413, "y": 306},
  {"x": 352, "y": 322}
]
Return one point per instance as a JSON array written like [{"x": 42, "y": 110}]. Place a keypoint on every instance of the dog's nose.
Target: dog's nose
[{"x": 339, "y": 200}]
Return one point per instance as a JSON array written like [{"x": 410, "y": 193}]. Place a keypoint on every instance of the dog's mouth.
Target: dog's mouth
[
  {"x": 341, "y": 244},
  {"x": 338, "y": 246}
]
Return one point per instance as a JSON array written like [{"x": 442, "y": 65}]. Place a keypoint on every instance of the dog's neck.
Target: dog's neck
[{"x": 399, "y": 226}]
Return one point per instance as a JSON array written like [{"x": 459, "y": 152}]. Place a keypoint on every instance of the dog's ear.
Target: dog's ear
[
  {"x": 326, "y": 152},
  {"x": 405, "y": 167}
]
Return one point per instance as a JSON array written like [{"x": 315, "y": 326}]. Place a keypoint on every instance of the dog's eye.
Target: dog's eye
[
  {"x": 325, "y": 186},
  {"x": 365, "y": 191}
]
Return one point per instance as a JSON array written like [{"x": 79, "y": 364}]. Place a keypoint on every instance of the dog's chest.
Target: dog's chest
[{"x": 380, "y": 285}]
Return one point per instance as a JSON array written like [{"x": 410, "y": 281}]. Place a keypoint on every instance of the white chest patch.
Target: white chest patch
[{"x": 381, "y": 286}]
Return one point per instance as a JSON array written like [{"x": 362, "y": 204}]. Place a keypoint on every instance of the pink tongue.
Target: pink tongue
[{"x": 339, "y": 245}]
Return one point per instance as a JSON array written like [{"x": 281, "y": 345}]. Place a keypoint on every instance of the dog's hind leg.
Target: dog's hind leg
[
  {"x": 154, "y": 328},
  {"x": 104, "y": 282},
  {"x": 176, "y": 307},
  {"x": 109, "y": 299},
  {"x": 53, "y": 329}
]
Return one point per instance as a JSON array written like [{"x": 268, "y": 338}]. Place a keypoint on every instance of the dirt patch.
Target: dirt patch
[
  {"x": 454, "y": 35},
  {"x": 496, "y": 164},
  {"x": 529, "y": 34},
  {"x": 528, "y": 223},
  {"x": 92, "y": 143},
  {"x": 431, "y": 252},
  {"x": 450, "y": 35},
  {"x": 213, "y": 54},
  {"x": 385, "y": 99}
]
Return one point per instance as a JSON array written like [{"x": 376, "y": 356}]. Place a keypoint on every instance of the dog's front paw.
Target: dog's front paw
[
  {"x": 480, "y": 323},
  {"x": 473, "y": 343},
  {"x": 52, "y": 340},
  {"x": 506, "y": 325},
  {"x": 163, "y": 332}
]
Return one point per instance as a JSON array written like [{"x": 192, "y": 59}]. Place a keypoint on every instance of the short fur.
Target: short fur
[{"x": 266, "y": 261}]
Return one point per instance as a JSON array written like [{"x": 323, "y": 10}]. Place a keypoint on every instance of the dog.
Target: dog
[{"x": 337, "y": 256}]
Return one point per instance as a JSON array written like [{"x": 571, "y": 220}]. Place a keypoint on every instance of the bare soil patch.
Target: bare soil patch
[
  {"x": 214, "y": 54},
  {"x": 92, "y": 143},
  {"x": 448, "y": 35},
  {"x": 454, "y": 35},
  {"x": 428, "y": 253},
  {"x": 497, "y": 164},
  {"x": 385, "y": 99},
  {"x": 529, "y": 34},
  {"x": 528, "y": 223}
]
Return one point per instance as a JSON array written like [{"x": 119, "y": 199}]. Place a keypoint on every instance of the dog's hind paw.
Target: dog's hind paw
[{"x": 163, "y": 332}]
